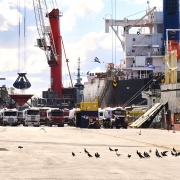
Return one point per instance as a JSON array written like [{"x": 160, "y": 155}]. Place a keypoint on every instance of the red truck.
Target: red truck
[
  {"x": 43, "y": 115},
  {"x": 66, "y": 116},
  {"x": 55, "y": 116}
]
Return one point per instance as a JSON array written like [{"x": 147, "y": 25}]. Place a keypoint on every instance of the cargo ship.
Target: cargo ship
[{"x": 143, "y": 65}]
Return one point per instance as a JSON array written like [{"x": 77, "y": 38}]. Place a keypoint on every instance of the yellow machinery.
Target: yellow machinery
[
  {"x": 135, "y": 113},
  {"x": 171, "y": 67},
  {"x": 89, "y": 106}
]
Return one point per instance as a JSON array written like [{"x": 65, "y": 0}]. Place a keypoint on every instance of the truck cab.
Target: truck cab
[
  {"x": 55, "y": 116},
  {"x": 119, "y": 119},
  {"x": 8, "y": 117},
  {"x": 43, "y": 115},
  {"x": 31, "y": 117}
]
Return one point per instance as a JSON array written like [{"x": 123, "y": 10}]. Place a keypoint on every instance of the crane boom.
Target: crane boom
[{"x": 46, "y": 41}]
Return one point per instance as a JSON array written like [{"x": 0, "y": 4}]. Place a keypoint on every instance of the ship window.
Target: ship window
[
  {"x": 159, "y": 28},
  {"x": 149, "y": 60}
]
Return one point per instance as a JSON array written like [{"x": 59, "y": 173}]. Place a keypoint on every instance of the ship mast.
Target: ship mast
[{"x": 78, "y": 84}]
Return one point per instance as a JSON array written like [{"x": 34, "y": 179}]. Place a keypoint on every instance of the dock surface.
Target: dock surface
[{"x": 46, "y": 153}]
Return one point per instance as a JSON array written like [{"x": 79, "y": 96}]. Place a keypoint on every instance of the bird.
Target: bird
[
  {"x": 110, "y": 149},
  {"x": 139, "y": 154},
  {"x": 150, "y": 151},
  {"x": 97, "y": 155},
  {"x": 157, "y": 154},
  {"x": 171, "y": 67},
  {"x": 118, "y": 154},
  {"x": 96, "y": 60},
  {"x": 140, "y": 132},
  {"x": 129, "y": 156},
  {"x": 73, "y": 154},
  {"x": 20, "y": 147},
  {"x": 67, "y": 60},
  {"x": 172, "y": 153},
  {"x": 163, "y": 153},
  {"x": 43, "y": 129},
  {"x": 115, "y": 150},
  {"x": 86, "y": 151},
  {"x": 146, "y": 155},
  {"x": 90, "y": 155},
  {"x": 174, "y": 149}
]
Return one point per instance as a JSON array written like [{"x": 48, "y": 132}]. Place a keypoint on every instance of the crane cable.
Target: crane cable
[
  {"x": 25, "y": 45},
  {"x": 18, "y": 33}
]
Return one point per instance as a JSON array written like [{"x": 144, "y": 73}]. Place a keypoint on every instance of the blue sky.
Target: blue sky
[{"x": 83, "y": 32}]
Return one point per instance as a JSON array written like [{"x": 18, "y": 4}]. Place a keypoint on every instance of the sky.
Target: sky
[{"x": 82, "y": 29}]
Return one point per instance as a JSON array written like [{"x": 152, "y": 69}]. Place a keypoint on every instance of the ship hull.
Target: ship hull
[{"x": 126, "y": 92}]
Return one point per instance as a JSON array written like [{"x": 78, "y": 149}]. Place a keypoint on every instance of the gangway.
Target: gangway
[{"x": 148, "y": 116}]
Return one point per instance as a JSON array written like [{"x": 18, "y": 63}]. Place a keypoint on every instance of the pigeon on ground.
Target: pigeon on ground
[
  {"x": 150, "y": 151},
  {"x": 139, "y": 154},
  {"x": 157, "y": 154},
  {"x": 90, "y": 155},
  {"x": 129, "y": 156},
  {"x": 20, "y": 147},
  {"x": 118, "y": 154},
  {"x": 172, "y": 153},
  {"x": 174, "y": 150},
  {"x": 115, "y": 150},
  {"x": 110, "y": 149},
  {"x": 140, "y": 132},
  {"x": 163, "y": 154},
  {"x": 97, "y": 155},
  {"x": 73, "y": 154},
  {"x": 85, "y": 151},
  {"x": 146, "y": 155},
  {"x": 43, "y": 129}
]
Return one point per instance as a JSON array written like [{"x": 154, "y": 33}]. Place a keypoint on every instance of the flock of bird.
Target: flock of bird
[{"x": 141, "y": 155}]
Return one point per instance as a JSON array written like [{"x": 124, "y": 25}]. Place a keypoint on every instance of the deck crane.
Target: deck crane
[{"x": 50, "y": 41}]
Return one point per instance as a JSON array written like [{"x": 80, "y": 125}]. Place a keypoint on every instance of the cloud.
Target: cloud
[
  {"x": 79, "y": 9},
  {"x": 9, "y": 14},
  {"x": 157, "y": 3},
  {"x": 91, "y": 45}
]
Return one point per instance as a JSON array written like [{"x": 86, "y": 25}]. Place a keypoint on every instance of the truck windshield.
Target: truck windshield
[
  {"x": 33, "y": 112},
  {"x": 100, "y": 113},
  {"x": 57, "y": 113},
  {"x": 119, "y": 112},
  {"x": 10, "y": 113}
]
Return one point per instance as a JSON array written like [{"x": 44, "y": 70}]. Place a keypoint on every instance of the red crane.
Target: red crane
[{"x": 50, "y": 40}]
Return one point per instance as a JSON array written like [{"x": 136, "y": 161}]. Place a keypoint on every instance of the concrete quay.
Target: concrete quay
[{"x": 47, "y": 153}]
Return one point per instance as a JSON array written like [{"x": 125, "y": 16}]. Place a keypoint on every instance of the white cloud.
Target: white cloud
[
  {"x": 9, "y": 14},
  {"x": 157, "y": 3},
  {"x": 32, "y": 28},
  {"x": 79, "y": 9},
  {"x": 91, "y": 45}
]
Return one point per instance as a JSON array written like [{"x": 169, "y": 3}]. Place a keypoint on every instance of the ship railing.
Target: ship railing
[{"x": 127, "y": 77}]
